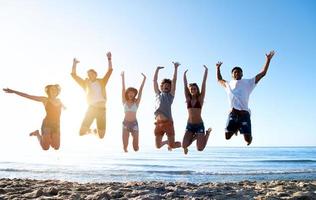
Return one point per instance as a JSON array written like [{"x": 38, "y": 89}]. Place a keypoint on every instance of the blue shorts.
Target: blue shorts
[
  {"x": 130, "y": 126},
  {"x": 239, "y": 121},
  {"x": 195, "y": 128}
]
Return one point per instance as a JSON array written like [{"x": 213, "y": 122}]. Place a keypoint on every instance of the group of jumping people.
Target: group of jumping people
[{"x": 238, "y": 91}]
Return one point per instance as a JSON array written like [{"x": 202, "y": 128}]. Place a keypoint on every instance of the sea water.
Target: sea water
[{"x": 214, "y": 164}]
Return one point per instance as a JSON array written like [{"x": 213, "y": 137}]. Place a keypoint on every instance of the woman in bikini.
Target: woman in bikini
[
  {"x": 131, "y": 101},
  {"x": 50, "y": 130},
  {"x": 195, "y": 127}
]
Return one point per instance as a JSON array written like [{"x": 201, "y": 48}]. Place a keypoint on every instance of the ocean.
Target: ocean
[{"x": 214, "y": 164}]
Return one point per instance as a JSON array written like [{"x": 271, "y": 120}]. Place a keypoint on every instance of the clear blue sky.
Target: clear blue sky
[{"x": 38, "y": 40}]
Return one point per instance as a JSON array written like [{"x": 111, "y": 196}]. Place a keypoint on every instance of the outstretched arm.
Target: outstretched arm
[
  {"x": 123, "y": 87},
  {"x": 265, "y": 67},
  {"x": 156, "y": 87},
  {"x": 219, "y": 75},
  {"x": 174, "y": 79},
  {"x": 74, "y": 75},
  {"x": 110, "y": 69},
  {"x": 185, "y": 84},
  {"x": 140, "y": 91},
  {"x": 203, "y": 88},
  {"x": 34, "y": 98}
]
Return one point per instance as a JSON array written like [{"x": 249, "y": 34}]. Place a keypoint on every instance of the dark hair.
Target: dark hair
[
  {"x": 130, "y": 89},
  {"x": 237, "y": 68},
  {"x": 165, "y": 80},
  {"x": 47, "y": 88},
  {"x": 195, "y": 85}
]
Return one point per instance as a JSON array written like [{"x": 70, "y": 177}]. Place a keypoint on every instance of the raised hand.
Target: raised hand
[
  {"x": 218, "y": 64},
  {"x": 122, "y": 73},
  {"x": 185, "y": 72},
  {"x": 8, "y": 90},
  {"x": 270, "y": 55},
  {"x": 176, "y": 64},
  {"x": 144, "y": 76},
  {"x": 76, "y": 61},
  {"x": 160, "y": 67},
  {"x": 109, "y": 55},
  {"x": 205, "y": 67}
]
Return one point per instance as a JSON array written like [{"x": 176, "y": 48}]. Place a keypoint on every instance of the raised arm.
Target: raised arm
[
  {"x": 34, "y": 98},
  {"x": 110, "y": 69},
  {"x": 265, "y": 67},
  {"x": 156, "y": 87},
  {"x": 185, "y": 84},
  {"x": 174, "y": 79},
  {"x": 203, "y": 88},
  {"x": 74, "y": 75},
  {"x": 123, "y": 87},
  {"x": 140, "y": 91},
  {"x": 219, "y": 75}
]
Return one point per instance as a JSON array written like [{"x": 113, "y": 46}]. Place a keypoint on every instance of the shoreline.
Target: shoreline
[{"x": 57, "y": 189}]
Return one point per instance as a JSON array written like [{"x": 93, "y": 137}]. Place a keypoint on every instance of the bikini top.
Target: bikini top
[
  {"x": 132, "y": 108},
  {"x": 196, "y": 105}
]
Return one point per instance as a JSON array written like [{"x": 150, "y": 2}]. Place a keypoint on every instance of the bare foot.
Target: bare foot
[
  {"x": 185, "y": 150},
  {"x": 208, "y": 131},
  {"x": 125, "y": 150},
  {"x": 34, "y": 133},
  {"x": 169, "y": 148}
]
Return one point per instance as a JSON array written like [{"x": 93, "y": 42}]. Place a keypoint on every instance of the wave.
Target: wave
[
  {"x": 287, "y": 161},
  {"x": 119, "y": 172}
]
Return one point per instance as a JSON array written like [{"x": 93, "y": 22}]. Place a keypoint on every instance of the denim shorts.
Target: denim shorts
[
  {"x": 195, "y": 128},
  {"x": 238, "y": 122}
]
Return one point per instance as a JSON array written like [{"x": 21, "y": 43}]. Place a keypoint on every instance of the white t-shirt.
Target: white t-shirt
[
  {"x": 238, "y": 92},
  {"x": 96, "y": 93}
]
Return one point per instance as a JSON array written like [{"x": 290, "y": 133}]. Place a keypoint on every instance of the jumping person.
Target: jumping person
[
  {"x": 195, "y": 126},
  {"x": 50, "y": 130},
  {"x": 131, "y": 101},
  {"x": 238, "y": 91},
  {"x": 163, "y": 116},
  {"x": 96, "y": 97}
]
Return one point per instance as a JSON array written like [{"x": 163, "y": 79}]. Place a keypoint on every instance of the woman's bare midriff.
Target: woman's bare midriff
[{"x": 195, "y": 115}]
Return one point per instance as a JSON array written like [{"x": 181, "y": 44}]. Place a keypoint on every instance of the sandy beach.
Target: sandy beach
[{"x": 55, "y": 189}]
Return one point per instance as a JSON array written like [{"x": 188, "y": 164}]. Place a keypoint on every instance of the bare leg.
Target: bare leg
[
  {"x": 125, "y": 136},
  {"x": 172, "y": 144},
  {"x": 135, "y": 141},
  {"x": 202, "y": 139},
  {"x": 159, "y": 142},
  {"x": 187, "y": 141},
  {"x": 55, "y": 140},
  {"x": 44, "y": 140},
  {"x": 248, "y": 138}
]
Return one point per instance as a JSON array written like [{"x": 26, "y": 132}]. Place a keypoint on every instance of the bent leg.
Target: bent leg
[
  {"x": 202, "y": 139},
  {"x": 135, "y": 140},
  {"x": 125, "y": 136},
  {"x": 231, "y": 126},
  {"x": 87, "y": 121},
  {"x": 187, "y": 141},
  {"x": 159, "y": 142},
  {"x": 101, "y": 122}
]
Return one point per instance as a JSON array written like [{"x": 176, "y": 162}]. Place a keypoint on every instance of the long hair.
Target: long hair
[
  {"x": 130, "y": 89},
  {"x": 197, "y": 87}
]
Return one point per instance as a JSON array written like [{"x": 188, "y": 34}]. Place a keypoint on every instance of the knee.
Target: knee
[
  {"x": 45, "y": 147},
  {"x": 101, "y": 134},
  {"x": 200, "y": 148},
  {"x": 228, "y": 135}
]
